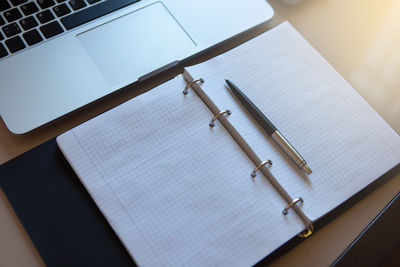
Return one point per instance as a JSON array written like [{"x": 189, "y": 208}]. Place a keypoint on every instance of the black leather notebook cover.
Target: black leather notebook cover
[
  {"x": 379, "y": 243},
  {"x": 65, "y": 224}
]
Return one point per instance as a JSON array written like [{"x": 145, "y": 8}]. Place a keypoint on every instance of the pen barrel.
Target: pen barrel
[
  {"x": 261, "y": 119},
  {"x": 289, "y": 149}
]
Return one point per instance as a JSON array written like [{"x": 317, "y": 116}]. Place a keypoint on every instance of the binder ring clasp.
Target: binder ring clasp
[
  {"x": 198, "y": 80},
  {"x": 291, "y": 204},
  {"x": 262, "y": 164},
  {"x": 306, "y": 233},
  {"x": 212, "y": 122}
]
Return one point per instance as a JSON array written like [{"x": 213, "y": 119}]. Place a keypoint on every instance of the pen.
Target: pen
[{"x": 269, "y": 127}]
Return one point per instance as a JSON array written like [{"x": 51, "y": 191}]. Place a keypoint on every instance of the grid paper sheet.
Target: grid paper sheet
[
  {"x": 344, "y": 141},
  {"x": 177, "y": 192}
]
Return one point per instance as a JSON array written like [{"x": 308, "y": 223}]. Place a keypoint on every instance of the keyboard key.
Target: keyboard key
[
  {"x": 29, "y": 8},
  {"x": 28, "y": 23},
  {"x": 11, "y": 29},
  {"x": 15, "y": 44},
  {"x": 93, "y": 12},
  {"x": 45, "y": 3},
  {"x": 45, "y": 16},
  {"x": 12, "y": 14},
  {"x": 51, "y": 29},
  {"x": 77, "y": 4},
  {"x": 3, "y": 51},
  {"x": 17, "y": 2},
  {"x": 32, "y": 37},
  {"x": 61, "y": 10},
  {"x": 60, "y": 1},
  {"x": 93, "y": 1},
  {"x": 1, "y": 36},
  {"x": 4, "y": 5},
  {"x": 2, "y": 22}
]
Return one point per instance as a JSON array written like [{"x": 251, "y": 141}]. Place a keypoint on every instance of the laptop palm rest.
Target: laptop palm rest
[{"x": 140, "y": 42}]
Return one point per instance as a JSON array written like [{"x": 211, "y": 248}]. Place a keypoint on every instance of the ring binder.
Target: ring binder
[
  {"x": 218, "y": 159},
  {"x": 291, "y": 204},
  {"x": 262, "y": 164},
  {"x": 198, "y": 80},
  {"x": 249, "y": 151},
  {"x": 211, "y": 124}
]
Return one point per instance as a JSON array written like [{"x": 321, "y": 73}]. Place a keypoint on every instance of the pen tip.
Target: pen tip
[{"x": 307, "y": 169}]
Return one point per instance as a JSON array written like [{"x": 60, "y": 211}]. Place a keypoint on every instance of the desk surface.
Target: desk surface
[{"x": 360, "y": 38}]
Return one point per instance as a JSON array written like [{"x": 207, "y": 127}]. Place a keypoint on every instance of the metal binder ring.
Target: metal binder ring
[
  {"x": 306, "y": 233},
  {"x": 262, "y": 164},
  {"x": 198, "y": 80},
  {"x": 291, "y": 204},
  {"x": 211, "y": 124}
]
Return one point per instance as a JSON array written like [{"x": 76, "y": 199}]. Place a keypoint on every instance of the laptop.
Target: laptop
[{"x": 59, "y": 55}]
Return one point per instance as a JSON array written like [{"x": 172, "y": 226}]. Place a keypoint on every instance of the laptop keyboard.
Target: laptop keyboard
[{"x": 25, "y": 23}]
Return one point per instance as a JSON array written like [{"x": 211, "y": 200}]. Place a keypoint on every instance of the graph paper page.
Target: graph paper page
[
  {"x": 344, "y": 141},
  {"x": 177, "y": 192}
]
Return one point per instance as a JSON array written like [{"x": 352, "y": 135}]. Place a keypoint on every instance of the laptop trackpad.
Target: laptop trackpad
[{"x": 137, "y": 43}]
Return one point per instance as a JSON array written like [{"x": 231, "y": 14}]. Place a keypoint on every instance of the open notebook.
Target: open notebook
[{"x": 178, "y": 192}]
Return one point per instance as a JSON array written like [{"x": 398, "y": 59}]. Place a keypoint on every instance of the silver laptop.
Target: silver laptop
[{"x": 58, "y": 55}]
